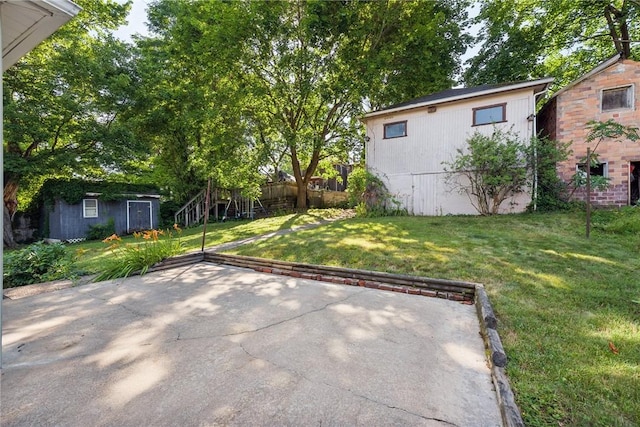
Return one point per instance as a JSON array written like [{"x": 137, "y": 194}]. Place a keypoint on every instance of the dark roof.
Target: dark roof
[
  {"x": 448, "y": 93},
  {"x": 459, "y": 93}
]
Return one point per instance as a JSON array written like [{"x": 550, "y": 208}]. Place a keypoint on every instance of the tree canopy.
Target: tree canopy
[
  {"x": 63, "y": 102},
  {"x": 521, "y": 39},
  {"x": 269, "y": 80}
]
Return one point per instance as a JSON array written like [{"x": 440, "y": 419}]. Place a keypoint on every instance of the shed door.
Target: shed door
[{"x": 138, "y": 215}]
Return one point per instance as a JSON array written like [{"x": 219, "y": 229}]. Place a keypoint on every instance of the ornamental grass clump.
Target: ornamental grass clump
[{"x": 150, "y": 247}]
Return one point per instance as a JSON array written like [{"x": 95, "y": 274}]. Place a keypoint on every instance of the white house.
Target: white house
[{"x": 406, "y": 144}]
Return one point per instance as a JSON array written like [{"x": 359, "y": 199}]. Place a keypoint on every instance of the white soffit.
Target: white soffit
[{"x": 26, "y": 23}]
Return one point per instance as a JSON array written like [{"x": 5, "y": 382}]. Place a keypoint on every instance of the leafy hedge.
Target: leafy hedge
[{"x": 37, "y": 263}]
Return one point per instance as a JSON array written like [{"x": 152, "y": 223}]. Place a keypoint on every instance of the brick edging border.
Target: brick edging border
[
  {"x": 464, "y": 292},
  {"x": 511, "y": 416}
]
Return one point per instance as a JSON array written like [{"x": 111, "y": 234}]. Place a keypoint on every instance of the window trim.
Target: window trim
[
  {"x": 503, "y": 105},
  {"x": 84, "y": 208},
  {"x": 632, "y": 101},
  {"x": 384, "y": 127}
]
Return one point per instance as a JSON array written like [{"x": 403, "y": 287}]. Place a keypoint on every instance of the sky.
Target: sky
[{"x": 136, "y": 20}]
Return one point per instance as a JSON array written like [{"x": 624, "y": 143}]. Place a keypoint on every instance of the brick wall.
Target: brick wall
[{"x": 577, "y": 106}]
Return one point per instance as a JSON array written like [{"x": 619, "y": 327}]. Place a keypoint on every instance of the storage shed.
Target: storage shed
[{"x": 70, "y": 208}]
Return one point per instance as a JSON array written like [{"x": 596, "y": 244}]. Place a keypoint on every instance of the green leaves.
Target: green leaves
[
  {"x": 495, "y": 167},
  {"x": 36, "y": 263},
  {"x": 524, "y": 39},
  {"x": 230, "y": 86},
  {"x": 65, "y": 101},
  {"x": 599, "y": 131}
]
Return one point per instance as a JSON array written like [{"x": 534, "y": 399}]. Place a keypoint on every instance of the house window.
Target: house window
[
  {"x": 598, "y": 169},
  {"x": 395, "y": 130},
  {"x": 490, "y": 114},
  {"x": 617, "y": 98},
  {"x": 90, "y": 208}
]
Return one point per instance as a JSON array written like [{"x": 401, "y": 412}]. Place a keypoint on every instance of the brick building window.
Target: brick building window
[
  {"x": 395, "y": 130},
  {"x": 599, "y": 169},
  {"x": 617, "y": 98}
]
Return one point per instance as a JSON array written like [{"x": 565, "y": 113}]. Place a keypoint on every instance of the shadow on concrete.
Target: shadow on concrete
[{"x": 212, "y": 345}]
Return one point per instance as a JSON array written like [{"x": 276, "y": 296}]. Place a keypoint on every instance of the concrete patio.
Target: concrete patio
[{"x": 205, "y": 345}]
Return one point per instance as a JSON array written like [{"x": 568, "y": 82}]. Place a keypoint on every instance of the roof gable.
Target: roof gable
[{"x": 614, "y": 60}]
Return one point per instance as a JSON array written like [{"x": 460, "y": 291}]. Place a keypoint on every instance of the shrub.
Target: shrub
[
  {"x": 356, "y": 185},
  {"x": 496, "y": 167},
  {"x": 101, "y": 231},
  {"x": 168, "y": 209},
  {"x": 138, "y": 257},
  {"x": 370, "y": 197},
  {"x": 551, "y": 194},
  {"x": 39, "y": 262}
]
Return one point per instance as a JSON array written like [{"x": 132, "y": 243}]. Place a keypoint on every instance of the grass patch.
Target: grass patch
[
  {"x": 561, "y": 299},
  {"x": 92, "y": 256}
]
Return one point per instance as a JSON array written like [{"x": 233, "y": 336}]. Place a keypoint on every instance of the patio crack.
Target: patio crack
[
  {"x": 348, "y": 390},
  {"x": 280, "y": 322},
  {"x": 424, "y": 417}
]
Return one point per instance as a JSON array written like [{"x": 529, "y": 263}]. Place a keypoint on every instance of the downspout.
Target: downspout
[
  {"x": 535, "y": 148},
  {"x": 1, "y": 179}
]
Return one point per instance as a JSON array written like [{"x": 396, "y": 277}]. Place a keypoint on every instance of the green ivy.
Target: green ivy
[{"x": 72, "y": 191}]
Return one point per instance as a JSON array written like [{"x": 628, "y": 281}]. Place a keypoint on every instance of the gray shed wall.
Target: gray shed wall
[{"x": 66, "y": 221}]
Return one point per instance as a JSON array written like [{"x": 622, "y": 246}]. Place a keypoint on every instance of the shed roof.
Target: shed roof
[{"x": 458, "y": 94}]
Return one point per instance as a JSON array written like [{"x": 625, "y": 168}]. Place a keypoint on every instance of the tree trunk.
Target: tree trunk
[
  {"x": 301, "y": 200},
  {"x": 10, "y": 208},
  {"x": 301, "y": 182},
  {"x": 9, "y": 241}
]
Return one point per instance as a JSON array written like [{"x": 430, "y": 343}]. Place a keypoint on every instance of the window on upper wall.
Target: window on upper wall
[
  {"x": 489, "y": 114},
  {"x": 395, "y": 130},
  {"x": 90, "y": 208},
  {"x": 618, "y": 98}
]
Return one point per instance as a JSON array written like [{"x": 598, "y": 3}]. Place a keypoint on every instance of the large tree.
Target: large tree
[
  {"x": 63, "y": 103},
  {"x": 297, "y": 74},
  {"x": 188, "y": 107},
  {"x": 521, "y": 39}
]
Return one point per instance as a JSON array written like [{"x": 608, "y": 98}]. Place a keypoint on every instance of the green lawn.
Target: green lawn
[
  {"x": 92, "y": 255},
  {"x": 560, "y": 298}
]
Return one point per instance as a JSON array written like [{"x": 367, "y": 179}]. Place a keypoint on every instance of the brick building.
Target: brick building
[{"x": 609, "y": 91}]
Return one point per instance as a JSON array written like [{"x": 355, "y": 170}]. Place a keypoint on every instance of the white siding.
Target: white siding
[{"x": 412, "y": 166}]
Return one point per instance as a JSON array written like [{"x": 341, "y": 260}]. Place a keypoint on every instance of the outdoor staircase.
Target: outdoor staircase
[
  {"x": 235, "y": 206},
  {"x": 193, "y": 211}
]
